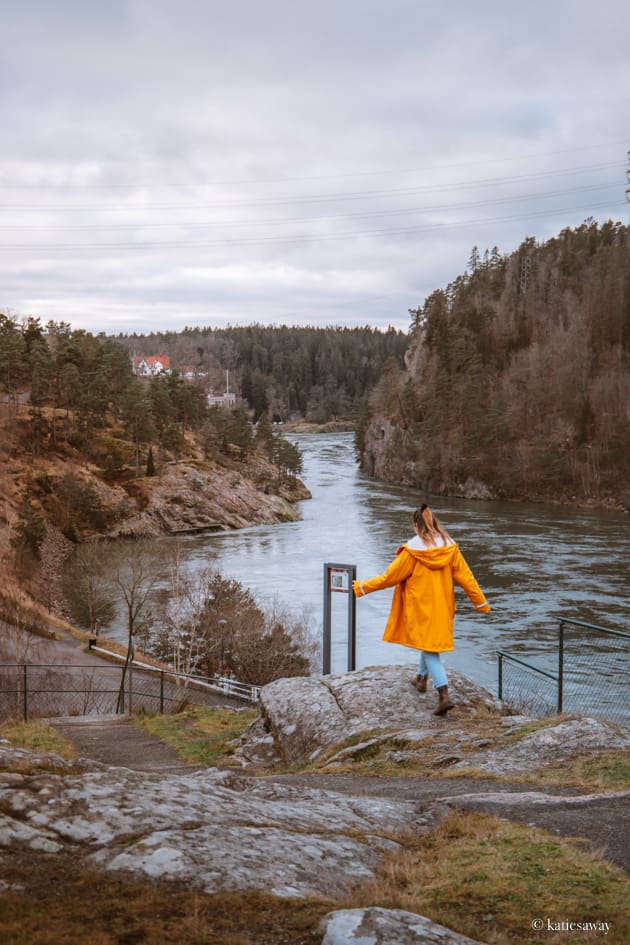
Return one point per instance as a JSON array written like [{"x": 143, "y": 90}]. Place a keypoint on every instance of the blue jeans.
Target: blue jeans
[{"x": 431, "y": 663}]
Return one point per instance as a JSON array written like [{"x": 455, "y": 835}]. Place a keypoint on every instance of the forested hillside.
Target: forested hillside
[
  {"x": 88, "y": 449},
  {"x": 517, "y": 380},
  {"x": 317, "y": 373}
]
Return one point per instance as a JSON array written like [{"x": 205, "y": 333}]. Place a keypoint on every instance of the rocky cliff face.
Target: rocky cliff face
[
  {"x": 194, "y": 496},
  {"x": 391, "y": 455},
  {"x": 185, "y": 497}
]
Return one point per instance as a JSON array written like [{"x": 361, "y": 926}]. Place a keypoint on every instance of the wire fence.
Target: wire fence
[
  {"x": 593, "y": 669},
  {"x": 35, "y": 690}
]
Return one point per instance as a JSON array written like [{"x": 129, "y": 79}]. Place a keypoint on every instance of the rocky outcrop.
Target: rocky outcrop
[
  {"x": 227, "y": 831},
  {"x": 301, "y": 717},
  {"x": 335, "y": 719},
  {"x": 212, "y": 829},
  {"x": 191, "y": 497},
  {"x": 553, "y": 745}
]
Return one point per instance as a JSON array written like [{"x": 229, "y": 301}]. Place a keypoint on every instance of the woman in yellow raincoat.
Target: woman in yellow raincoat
[{"x": 423, "y": 606}]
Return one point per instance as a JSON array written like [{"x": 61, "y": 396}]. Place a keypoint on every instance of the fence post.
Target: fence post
[
  {"x": 130, "y": 688},
  {"x": 121, "y": 692},
  {"x": 500, "y": 659},
  {"x": 560, "y": 666},
  {"x": 25, "y": 691},
  {"x": 162, "y": 692}
]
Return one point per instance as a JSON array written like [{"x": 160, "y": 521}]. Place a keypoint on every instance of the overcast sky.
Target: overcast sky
[{"x": 193, "y": 162}]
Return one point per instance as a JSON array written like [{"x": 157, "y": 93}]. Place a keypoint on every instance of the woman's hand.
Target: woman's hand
[{"x": 356, "y": 587}]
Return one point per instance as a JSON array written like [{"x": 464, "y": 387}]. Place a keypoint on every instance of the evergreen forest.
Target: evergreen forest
[
  {"x": 319, "y": 374},
  {"x": 517, "y": 379}
]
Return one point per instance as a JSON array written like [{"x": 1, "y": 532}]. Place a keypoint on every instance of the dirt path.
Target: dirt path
[
  {"x": 116, "y": 742},
  {"x": 65, "y": 678}
]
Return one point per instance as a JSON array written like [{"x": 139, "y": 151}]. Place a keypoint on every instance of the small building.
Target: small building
[
  {"x": 191, "y": 373},
  {"x": 151, "y": 365},
  {"x": 222, "y": 400}
]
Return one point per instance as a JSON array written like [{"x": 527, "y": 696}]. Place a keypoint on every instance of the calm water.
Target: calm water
[{"x": 533, "y": 562}]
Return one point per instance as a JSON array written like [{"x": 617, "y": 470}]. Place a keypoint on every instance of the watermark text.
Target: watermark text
[{"x": 568, "y": 925}]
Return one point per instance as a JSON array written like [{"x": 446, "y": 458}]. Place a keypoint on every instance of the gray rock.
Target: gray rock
[
  {"x": 191, "y": 496},
  {"x": 376, "y": 926},
  {"x": 308, "y": 715},
  {"x": 12, "y": 757},
  {"x": 212, "y": 829},
  {"x": 548, "y": 746},
  {"x": 533, "y": 799}
]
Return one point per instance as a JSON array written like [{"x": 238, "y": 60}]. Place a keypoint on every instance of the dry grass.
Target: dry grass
[
  {"x": 491, "y": 879},
  {"x": 55, "y": 900},
  {"x": 600, "y": 771},
  {"x": 200, "y": 735},
  {"x": 37, "y": 736}
]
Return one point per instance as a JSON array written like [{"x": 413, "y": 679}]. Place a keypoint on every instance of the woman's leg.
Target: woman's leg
[
  {"x": 420, "y": 682},
  {"x": 433, "y": 665}
]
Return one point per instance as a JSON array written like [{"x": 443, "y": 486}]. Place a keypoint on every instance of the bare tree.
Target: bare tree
[
  {"x": 211, "y": 624},
  {"x": 87, "y": 589},
  {"x": 135, "y": 577},
  {"x": 284, "y": 646},
  {"x": 20, "y": 626},
  {"x": 179, "y": 638}
]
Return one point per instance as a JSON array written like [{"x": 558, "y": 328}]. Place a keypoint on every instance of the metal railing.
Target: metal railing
[
  {"x": 37, "y": 690},
  {"x": 593, "y": 668},
  {"x": 223, "y": 684}
]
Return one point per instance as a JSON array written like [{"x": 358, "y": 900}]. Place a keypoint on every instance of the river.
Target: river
[{"x": 534, "y": 562}]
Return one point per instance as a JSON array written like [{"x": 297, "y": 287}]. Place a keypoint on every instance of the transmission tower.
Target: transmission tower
[{"x": 526, "y": 265}]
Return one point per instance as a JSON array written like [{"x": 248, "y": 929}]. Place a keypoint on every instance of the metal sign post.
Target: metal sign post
[{"x": 338, "y": 579}]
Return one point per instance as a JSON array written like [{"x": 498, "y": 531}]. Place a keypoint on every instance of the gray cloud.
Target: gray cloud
[{"x": 196, "y": 163}]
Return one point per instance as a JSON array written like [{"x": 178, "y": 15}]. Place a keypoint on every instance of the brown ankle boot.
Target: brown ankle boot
[
  {"x": 445, "y": 703},
  {"x": 420, "y": 682}
]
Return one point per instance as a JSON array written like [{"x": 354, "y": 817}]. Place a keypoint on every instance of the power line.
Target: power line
[
  {"x": 494, "y": 201},
  {"x": 322, "y": 198},
  {"x": 303, "y": 238}
]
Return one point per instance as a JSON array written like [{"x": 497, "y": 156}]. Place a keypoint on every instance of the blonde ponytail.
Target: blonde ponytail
[{"x": 429, "y": 528}]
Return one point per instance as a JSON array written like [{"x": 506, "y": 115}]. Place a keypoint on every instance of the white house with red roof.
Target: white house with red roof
[{"x": 150, "y": 365}]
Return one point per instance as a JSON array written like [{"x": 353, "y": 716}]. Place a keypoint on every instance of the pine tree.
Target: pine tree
[{"x": 150, "y": 463}]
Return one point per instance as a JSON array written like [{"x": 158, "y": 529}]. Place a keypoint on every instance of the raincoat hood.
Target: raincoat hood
[{"x": 434, "y": 558}]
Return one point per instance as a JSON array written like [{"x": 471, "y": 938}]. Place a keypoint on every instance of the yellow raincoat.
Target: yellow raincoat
[{"x": 423, "y": 606}]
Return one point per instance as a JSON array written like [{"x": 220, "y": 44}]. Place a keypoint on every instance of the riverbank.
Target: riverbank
[
  {"x": 383, "y": 458},
  {"x": 54, "y": 499},
  {"x": 332, "y": 426}
]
